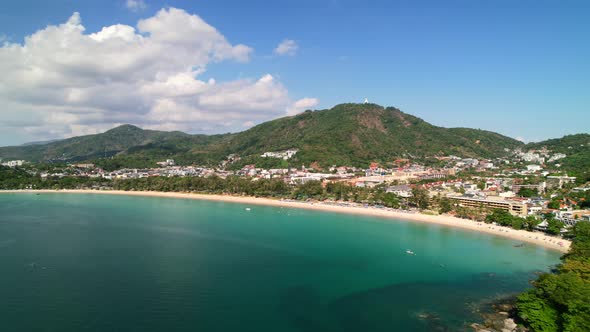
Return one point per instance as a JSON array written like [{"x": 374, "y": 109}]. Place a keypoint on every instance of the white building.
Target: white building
[
  {"x": 556, "y": 157},
  {"x": 13, "y": 163},
  {"x": 556, "y": 181},
  {"x": 168, "y": 162},
  {"x": 532, "y": 157},
  {"x": 401, "y": 190},
  {"x": 570, "y": 218},
  {"x": 533, "y": 168},
  {"x": 288, "y": 154},
  {"x": 507, "y": 194}
]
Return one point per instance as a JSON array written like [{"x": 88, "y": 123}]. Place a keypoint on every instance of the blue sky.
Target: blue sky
[{"x": 520, "y": 68}]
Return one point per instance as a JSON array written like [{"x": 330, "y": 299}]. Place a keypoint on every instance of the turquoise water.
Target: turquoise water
[{"x": 73, "y": 262}]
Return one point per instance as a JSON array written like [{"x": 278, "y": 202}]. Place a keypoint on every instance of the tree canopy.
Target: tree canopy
[{"x": 561, "y": 301}]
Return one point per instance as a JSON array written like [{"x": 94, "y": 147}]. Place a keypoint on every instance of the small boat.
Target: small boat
[
  {"x": 248, "y": 209},
  {"x": 518, "y": 245},
  {"x": 409, "y": 252}
]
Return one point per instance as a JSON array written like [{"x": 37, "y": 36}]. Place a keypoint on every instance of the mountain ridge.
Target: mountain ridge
[
  {"x": 353, "y": 134},
  {"x": 84, "y": 147}
]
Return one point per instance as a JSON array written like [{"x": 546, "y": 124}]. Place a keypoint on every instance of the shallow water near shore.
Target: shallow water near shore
[{"x": 89, "y": 262}]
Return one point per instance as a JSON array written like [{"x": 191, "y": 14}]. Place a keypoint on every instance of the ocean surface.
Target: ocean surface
[{"x": 83, "y": 262}]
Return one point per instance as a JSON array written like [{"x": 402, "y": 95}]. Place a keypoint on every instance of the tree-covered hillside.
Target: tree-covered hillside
[
  {"x": 351, "y": 134},
  {"x": 356, "y": 134},
  {"x": 87, "y": 147},
  {"x": 576, "y": 148},
  {"x": 561, "y": 301}
]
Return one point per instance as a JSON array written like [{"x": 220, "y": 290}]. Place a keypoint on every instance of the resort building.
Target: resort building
[
  {"x": 570, "y": 218},
  {"x": 558, "y": 181},
  {"x": 83, "y": 165},
  {"x": 515, "y": 208},
  {"x": 533, "y": 168},
  {"x": 540, "y": 188},
  {"x": 401, "y": 190}
]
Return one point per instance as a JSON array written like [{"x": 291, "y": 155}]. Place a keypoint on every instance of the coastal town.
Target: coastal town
[
  {"x": 317, "y": 166},
  {"x": 523, "y": 184}
]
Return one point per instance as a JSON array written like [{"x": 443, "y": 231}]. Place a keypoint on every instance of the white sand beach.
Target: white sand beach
[{"x": 537, "y": 238}]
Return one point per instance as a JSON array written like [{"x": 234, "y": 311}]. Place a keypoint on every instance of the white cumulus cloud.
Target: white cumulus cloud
[
  {"x": 302, "y": 105},
  {"x": 62, "y": 81},
  {"x": 287, "y": 47},
  {"x": 135, "y": 5}
]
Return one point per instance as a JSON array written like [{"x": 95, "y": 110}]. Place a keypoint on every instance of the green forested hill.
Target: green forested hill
[
  {"x": 571, "y": 144},
  {"x": 576, "y": 148},
  {"x": 87, "y": 147},
  {"x": 360, "y": 133},
  {"x": 352, "y": 134}
]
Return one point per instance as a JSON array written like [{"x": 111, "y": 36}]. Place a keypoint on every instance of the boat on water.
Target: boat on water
[
  {"x": 248, "y": 209},
  {"x": 409, "y": 252}
]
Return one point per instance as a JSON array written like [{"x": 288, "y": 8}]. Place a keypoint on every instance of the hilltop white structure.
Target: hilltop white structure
[
  {"x": 280, "y": 155},
  {"x": 168, "y": 162},
  {"x": 13, "y": 163}
]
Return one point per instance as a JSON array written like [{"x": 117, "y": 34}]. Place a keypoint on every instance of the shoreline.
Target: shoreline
[{"x": 537, "y": 238}]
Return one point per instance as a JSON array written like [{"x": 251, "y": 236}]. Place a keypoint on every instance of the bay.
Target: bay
[{"x": 85, "y": 262}]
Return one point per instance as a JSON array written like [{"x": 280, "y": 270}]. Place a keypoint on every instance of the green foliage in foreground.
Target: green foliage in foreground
[
  {"x": 18, "y": 178},
  {"x": 504, "y": 218},
  {"x": 420, "y": 198},
  {"x": 235, "y": 185},
  {"x": 528, "y": 192},
  {"x": 561, "y": 301},
  {"x": 213, "y": 185},
  {"x": 13, "y": 178}
]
